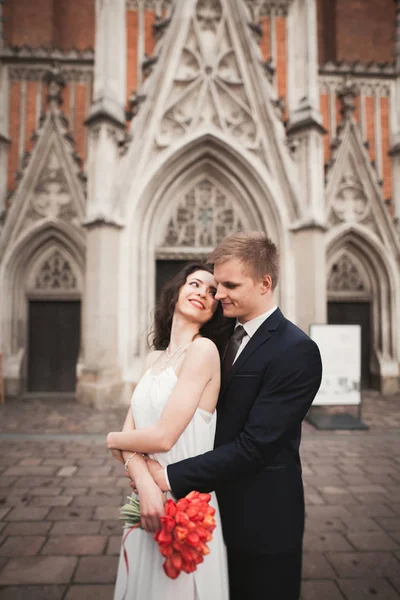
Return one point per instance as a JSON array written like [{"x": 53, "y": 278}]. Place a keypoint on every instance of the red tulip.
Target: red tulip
[
  {"x": 181, "y": 517},
  {"x": 205, "y": 497},
  {"x": 165, "y": 550},
  {"x": 182, "y": 504},
  {"x": 164, "y": 538},
  {"x": 176, "y": 560},
  {"x": 204, "y": 549},
  {"x": 180, "y": 533},
  {"x": 170, "y": 508},
  {"x": 193, "y": 495},
  {"x": 193, "y": 539},
  {"x": 167, "y": 524},
  {"x": 170, "y": 570},
  {"x": 188, "y": 567}
]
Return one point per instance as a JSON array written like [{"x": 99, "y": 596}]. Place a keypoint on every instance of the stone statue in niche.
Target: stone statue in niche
[{"x": 51, "y": 196}]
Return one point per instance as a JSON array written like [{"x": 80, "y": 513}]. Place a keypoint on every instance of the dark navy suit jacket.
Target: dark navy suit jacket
[{"x": 255, "y": 466}]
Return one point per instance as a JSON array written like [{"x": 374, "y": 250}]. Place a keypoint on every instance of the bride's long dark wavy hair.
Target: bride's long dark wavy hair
[{"x": 218, "y": 328}]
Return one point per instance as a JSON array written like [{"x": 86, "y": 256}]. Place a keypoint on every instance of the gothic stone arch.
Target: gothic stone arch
[
  {"x": 359, "y": 270},
  {"x": 184, "y": 211},
  {"x": 46, "y": 264}
]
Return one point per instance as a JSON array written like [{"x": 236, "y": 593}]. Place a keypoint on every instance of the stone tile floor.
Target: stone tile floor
[{"x": 60, "y": 493}]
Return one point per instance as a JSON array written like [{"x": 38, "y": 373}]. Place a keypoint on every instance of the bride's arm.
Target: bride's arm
[
  {"x": 151, "y": 497},
  {"x": 199, "y": 366}
]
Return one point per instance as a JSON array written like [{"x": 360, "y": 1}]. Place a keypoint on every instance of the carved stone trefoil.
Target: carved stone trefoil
[
  {"x": 350, "y": 203},
  {"x": 56, "y": 274},
  {"x": 345, "y": 276}
]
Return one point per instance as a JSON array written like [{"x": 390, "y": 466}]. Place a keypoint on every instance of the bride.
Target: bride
[{"x": 172, "y": 417}]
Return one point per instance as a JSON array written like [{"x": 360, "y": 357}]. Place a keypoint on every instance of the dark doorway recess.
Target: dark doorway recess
[
  {"x": 355, "y": 313},
  {"x": 54, "y": 335},
  {"x": 166, "y": 270}
]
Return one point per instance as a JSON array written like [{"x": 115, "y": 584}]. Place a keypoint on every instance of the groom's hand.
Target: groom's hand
[{"x": 157, "y": 473}]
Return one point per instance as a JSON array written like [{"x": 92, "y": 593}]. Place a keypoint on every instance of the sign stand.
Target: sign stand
[
  {"x": 1, "y": 379},
  {"x": 340, "y": 347}
]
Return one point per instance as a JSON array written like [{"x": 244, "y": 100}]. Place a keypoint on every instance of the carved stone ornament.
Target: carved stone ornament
[
  {"x": 345, "y": 276},
  {"x": 56, "y": 83},
  {"x": 347, "y": 92},
  {"x": 51, "y": 196},
  {"x": 56, "y": 274},
  {"x": 351, "y": 203},
  {"x": 208, "y": 87},
  {"x": 202, "y": 218}
]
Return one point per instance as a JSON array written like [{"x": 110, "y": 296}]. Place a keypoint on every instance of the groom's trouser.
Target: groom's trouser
[{"x": 264, "y": 576}]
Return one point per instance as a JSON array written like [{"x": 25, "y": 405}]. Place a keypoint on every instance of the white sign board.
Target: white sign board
[{"x": 340, "y": 347}]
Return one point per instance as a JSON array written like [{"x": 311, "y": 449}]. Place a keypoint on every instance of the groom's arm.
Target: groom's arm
[{"x": 290, "y": 385}]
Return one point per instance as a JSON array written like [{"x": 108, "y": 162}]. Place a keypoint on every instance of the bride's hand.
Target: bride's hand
[
  {"x": 151, "y": 505},
  {"x": 117, "y": 454}
]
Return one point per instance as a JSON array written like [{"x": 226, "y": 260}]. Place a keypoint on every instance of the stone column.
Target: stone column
[
  {"x": 99, "y": 378},
  {"x": 305, "y": 132},
  {"x": 305, "y": 121},
  {"x": 308, "y": 247},
  {"x": 395, "y": 149}
]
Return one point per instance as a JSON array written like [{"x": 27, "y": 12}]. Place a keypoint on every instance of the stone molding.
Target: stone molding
[
  {"x": 356, "y": 69},
  {"x": 157, "y": 5},
  {"x": 36, "y": 72},
  {"x": 262, "y": 8},
  {"x": 366, "y": 86},
  {"x": 17, "y": 53}
]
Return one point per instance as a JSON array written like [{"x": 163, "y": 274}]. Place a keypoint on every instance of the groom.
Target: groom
[{"x": 271, "y": 372}]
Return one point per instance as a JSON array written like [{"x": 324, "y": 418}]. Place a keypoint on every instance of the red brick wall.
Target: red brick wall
[
  {"x": 14, "y": 126},
  {"x": 50, "y": 23},
  {"x": 29, "y": 23},
  {"x": 76, "y": 24},
  {"x": 281, "y": 56},
  {"x": 356, "y": 30},
  {"x": 387, "y": 168}
]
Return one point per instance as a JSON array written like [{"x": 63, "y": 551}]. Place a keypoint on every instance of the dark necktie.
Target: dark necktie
[{"x": 233, "y": 346}]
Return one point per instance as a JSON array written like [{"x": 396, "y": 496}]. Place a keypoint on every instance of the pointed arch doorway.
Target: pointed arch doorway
[
  {"x": 350, "y": 303},
  {"x": 53, "y": 295},
  {"x": 203, "y": 216}
]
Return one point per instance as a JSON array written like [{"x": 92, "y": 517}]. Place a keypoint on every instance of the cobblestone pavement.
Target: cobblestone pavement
[{"x": 60, "y": 492}]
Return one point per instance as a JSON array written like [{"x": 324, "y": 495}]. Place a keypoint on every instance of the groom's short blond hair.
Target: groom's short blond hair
[{"x": 255, "y": 250}]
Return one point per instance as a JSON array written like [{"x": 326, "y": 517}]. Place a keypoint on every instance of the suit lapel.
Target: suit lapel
[{"x": 261, "y": 336}]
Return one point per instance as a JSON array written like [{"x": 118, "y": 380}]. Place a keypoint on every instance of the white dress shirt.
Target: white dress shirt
[{"x": 250, "y": 328}]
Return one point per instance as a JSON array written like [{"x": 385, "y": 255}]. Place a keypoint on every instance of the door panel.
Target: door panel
[
  {"x": 165, "y": 271},
  {"x": 54, "y": 334},
  {"x": 355, "y": 313}
]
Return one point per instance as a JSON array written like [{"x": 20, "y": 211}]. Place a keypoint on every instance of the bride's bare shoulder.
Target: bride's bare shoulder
[{"x": 204, "y": 348}]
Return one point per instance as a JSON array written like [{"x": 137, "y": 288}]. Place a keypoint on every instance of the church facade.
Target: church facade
[{"x": 136, "y": 134}]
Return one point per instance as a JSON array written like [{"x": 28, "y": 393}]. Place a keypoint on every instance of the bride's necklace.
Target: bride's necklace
[{"x": 170, "y": 355}]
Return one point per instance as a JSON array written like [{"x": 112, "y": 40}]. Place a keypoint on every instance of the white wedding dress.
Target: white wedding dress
[{"x": 146, "y": 579}]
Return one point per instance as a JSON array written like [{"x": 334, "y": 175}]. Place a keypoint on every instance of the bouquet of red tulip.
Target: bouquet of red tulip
[{"x": 185, "y": 530}]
